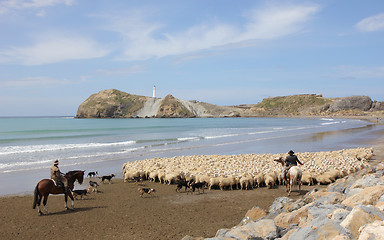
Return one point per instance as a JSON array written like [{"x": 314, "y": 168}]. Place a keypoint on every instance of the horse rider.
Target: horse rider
[
  {"x": 58, "y": 176},
  {"x": 290, "y": 160}
]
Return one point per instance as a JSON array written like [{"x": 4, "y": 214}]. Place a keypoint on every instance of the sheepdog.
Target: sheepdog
[
  {"x": 109, "y": 178},
  {"x": 148, "y": 191},
  {"x": 80, "y": 193}
]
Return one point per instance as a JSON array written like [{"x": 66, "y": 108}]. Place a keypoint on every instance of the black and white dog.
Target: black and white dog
[
  {"x": 109, "y": 178},
  {"x": 80, "y": 193},
  {"x": 92, "y": 174}
]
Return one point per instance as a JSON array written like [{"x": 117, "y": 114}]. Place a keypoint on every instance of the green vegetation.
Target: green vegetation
[{"x": 292, "y": 105}]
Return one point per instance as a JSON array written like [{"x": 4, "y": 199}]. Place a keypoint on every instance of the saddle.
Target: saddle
[{"x": 59, "y": 184}]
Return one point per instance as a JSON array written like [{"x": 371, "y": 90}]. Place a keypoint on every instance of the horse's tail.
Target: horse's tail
[{"x": 36, "y": 195}]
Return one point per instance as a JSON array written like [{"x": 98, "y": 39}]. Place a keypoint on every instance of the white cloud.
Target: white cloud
[
  {"x": 360, "y": 72},
  {"x": 371, "y": 24},
  {"x": 12, "y": 5},
  {"x": 144, "y": 39},
  {"x": 41, "y": 13},
  {"x": 34, "y": 82},
  {"x": 135, "y": 69},
  {"x": 53, "y": 48}
]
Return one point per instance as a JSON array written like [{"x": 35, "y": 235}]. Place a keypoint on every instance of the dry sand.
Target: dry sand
[{"x": 118, "y": 212}]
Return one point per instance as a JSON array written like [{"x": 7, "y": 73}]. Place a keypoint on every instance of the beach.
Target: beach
[{"x": 118, "y": 211}]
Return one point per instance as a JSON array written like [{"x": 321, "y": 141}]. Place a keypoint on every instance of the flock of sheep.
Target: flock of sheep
[{"x": 246, "y": 171}]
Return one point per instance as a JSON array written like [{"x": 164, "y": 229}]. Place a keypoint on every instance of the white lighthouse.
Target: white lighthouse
[{"x": 154, "y": 91}]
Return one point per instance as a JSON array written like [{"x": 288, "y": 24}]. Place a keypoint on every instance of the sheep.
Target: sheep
[
  {"x": 161, "y": 176},
  {"x": 153, "y": 176},
  {"x": 325, "y": 178},
  {"x": 215, "y": 181},
  {"x": 170, "y": 178},
  {"x": 335, "y": 174},
  {"x": 270, "y": 180},
  {"x": 130, "y": 175},
  {"x": 246, "y": 182},
  {"x": 259, "y": 180},
  {"x": 227, "y": 182},
  {"x": 335, "y": 164},
  {"x": 307, "y": 178}
]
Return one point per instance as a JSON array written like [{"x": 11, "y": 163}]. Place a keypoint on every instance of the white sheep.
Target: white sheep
[
  {"x": 259, "y": 180},
  {"x": 246, "y": 182},
  {"x": 270, "y": 180},
  {"x": 215, "y": 181},
  {"x": 227, "y": 182},
  {"x": 307, "y": 178}
]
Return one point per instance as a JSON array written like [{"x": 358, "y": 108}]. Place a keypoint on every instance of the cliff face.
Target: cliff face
[{"x": 113, "y": 103}]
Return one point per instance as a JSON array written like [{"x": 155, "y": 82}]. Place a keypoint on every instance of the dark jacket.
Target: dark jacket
[{"x": 292, "y": 160}]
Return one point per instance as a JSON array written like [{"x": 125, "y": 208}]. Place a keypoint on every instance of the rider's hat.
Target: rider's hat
[
  {"x": 291, "y": 152},
  {"x": 56, "y": 162}
]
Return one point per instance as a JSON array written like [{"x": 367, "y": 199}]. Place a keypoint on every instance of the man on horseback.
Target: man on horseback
[
  {"x": 58, "y": 176},
  {"x": 290, "y": 160}
]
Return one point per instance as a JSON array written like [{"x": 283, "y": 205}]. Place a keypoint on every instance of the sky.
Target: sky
[{"x": 55, "y": 53}]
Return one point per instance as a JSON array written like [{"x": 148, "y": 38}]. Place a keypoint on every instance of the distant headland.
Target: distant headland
[{"x": 113, "y": 103}]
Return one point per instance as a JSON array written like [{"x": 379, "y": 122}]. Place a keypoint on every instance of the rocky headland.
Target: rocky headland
[{"x": 113, "y": 103}]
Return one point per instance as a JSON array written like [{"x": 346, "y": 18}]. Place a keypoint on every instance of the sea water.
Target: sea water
[{"x": 28, "y": 146}]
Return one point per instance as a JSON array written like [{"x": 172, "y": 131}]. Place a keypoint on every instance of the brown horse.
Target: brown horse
[
  {"x": 293, "y": 177},
  {"x": 47, "y": 186}
]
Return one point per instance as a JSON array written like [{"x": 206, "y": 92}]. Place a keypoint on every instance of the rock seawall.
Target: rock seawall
[{"x": 350, "y": 208}]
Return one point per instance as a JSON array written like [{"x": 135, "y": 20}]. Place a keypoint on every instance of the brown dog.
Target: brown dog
[{"x": 148, "y": 191}]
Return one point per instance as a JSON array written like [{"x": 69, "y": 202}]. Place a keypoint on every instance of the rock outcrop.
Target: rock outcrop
[
  {"x": 363, "y": 103},
  {"x": 113, "y": 103},
  {"x": 320, "y": 214}
]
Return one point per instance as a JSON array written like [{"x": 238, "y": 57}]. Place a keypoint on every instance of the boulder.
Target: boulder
[
  {"x": 359, "y": 216},
  {"x": 373, "y": 230},
  {"x": 328, "y": 197},
  {"x": 255, "y": 213},
  {"x": 362, "y": 103},
  {"x": 324, "y": 229},
  {"x": 380, "y": 206},
  {"x": 285, "y": 219},
  {"x": 378, "y": 106},
  {"x": 253, "y": 230},
  {"x": 368, "y": 196},
  {"x": 339, "y": 214},
  {"x": 278, "y": 206},
  {"x": 367, "y": 181}
]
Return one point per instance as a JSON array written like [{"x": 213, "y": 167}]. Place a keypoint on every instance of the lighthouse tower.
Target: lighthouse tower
[{"x": 154, "y": 91}]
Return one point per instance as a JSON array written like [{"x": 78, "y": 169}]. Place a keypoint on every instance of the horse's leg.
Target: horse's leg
[
  {"x": 65, "y": 201},
  {"x": 73, "y": 200},
  {"x": 289, "y": 188},
  {"x": 45, "y": 202},
  {"x": 38, "y": 204}
]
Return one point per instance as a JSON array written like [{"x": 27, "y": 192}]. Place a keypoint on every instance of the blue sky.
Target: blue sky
[{"x": 56, "y": 53}]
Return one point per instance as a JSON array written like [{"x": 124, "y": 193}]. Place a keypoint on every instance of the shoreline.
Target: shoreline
[
  {"x": 118, "y": 211},
  {"x": 115, "y": 165}
]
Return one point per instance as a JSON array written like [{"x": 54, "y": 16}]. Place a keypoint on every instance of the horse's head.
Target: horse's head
[
  {"x": 279, "y": 160},
  {"x": 78, "y": 175}
]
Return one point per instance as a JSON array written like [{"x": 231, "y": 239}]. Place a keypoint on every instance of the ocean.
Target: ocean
[{"x": 28, "y": 146}]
